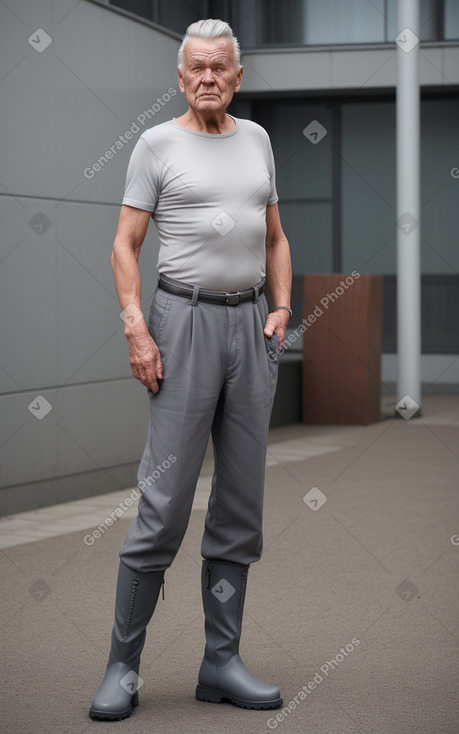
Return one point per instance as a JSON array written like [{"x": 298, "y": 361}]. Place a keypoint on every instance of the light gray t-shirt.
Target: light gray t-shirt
[{"x": 208, "y": 196}]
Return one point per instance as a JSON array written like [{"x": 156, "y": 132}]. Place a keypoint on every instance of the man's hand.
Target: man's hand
[
  {"x": 145, "y": 361},
  {"x": 276, "y": 323}
]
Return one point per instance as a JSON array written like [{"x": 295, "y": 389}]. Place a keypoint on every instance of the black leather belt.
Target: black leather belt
[{"x": 209, "y": 296}]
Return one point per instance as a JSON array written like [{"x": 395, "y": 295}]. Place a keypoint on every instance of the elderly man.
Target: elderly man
[{"x": 208, "y": 358}]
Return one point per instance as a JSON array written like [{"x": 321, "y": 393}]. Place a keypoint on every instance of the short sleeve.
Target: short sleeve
[
  {"x": 142, "y": 178},
  {"x": 273, "y": 197}
]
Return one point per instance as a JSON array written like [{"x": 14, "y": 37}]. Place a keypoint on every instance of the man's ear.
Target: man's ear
[
  {"x": 239, "y": 79},
  {"x": 180, "y": 79}
]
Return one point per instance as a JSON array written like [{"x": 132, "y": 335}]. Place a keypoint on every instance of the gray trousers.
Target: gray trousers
[{"x": 220, "y": 374}]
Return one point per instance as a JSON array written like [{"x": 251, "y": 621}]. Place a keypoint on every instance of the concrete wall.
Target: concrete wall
[
  {"x": 337, "y": 69},
  {"x": 62, "y": 347}
]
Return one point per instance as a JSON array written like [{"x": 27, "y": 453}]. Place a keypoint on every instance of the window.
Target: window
[
  {"x": 301, "y": 22},
  {"x": 331, "y": 22},
  {"x": 304, "y": 178},
  {"x": 451, "y": 11},
  {"x": 176, "y": 16},
  {"x": 338, "y": 205}
]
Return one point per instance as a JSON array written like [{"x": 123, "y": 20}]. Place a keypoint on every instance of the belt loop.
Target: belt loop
[
  {"x": 256, "y": 289},
  {"x": 195, "y": 296}
]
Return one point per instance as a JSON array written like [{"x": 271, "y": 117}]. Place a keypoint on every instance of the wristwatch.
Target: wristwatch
[{"x": 285, "y": 308}]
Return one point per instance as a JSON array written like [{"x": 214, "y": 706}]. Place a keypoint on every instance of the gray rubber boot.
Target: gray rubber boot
[
  {"x": 136, "y": 597},
  {"x": 223, "y": 676}
]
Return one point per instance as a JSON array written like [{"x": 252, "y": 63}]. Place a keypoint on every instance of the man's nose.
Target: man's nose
[{"x": 208, "y": 77}]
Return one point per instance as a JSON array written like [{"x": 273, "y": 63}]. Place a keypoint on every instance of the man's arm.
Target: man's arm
[
  {"x": 278, "y": 273},
  {"x": 144, "y": 356}
]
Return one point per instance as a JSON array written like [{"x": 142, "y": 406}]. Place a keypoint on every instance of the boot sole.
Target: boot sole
[
  {"x": 212, "y": 695},
  {"x": 112, "y": 716}
]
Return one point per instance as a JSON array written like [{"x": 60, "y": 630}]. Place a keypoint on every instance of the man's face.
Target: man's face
[{"x": 209, "y": 78}]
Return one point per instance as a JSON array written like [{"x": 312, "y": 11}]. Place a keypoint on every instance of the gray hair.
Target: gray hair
[{"x": 210, "y": 29}]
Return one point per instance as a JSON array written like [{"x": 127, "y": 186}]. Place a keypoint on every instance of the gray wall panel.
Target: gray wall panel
[
  {"x": 450, "y": 65},
  {"x": 343, "y": 68},
  {"x": 265, "y": 72},
  {"x": 69, "y": 103},
  {"x": 56, "y": 283},
  {"x": 28, "y": 294},
  {"x": 356, "y": 69},
  {"x": 87, "y": 427},
  {"x": 62, "y": 339},
  {"x": 430, "y": 66}
]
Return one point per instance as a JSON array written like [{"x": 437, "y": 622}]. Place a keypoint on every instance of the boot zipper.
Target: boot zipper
[
  {"x": 132, "y": 596},
  {"x": 163, "y": 584},
  {"x": 208, "y": 577},
  {"x": 241, "y": 602}
]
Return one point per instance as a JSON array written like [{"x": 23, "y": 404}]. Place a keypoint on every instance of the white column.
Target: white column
[{"x": 408, "y": 203}]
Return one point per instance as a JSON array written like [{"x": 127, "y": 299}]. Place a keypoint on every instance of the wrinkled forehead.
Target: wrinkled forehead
[{"x": 209, "y": 50}]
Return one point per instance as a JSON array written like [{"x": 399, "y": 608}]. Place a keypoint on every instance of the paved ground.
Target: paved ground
[{"x": 354, "y": 604}]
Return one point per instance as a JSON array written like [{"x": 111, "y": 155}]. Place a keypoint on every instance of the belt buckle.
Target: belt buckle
[{"x": 232, "y": 299}]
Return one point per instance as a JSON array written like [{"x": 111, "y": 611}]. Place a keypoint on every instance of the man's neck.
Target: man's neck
[{"x": 212, "y": 125}]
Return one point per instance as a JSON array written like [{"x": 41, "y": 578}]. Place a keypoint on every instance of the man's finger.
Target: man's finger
[
  {"x": 269, "y": 326},
  {"x": 153, "y": 382},
  {"x": 153, "y": 386},
  {"x": 150, "y": 380},
  {"x": 159, "y": 366}
]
